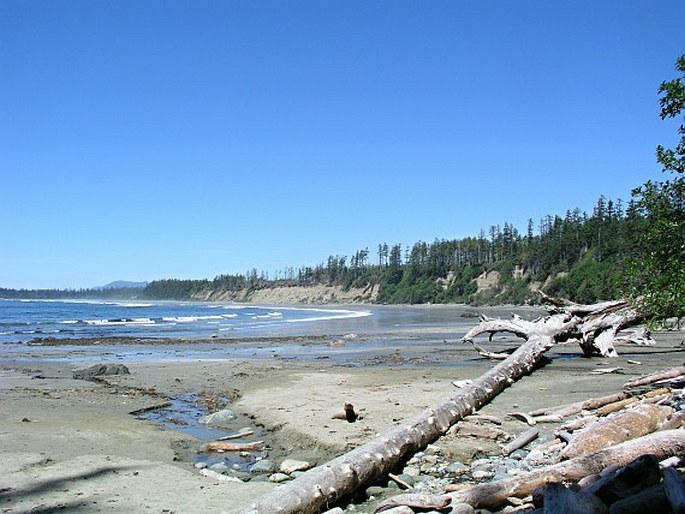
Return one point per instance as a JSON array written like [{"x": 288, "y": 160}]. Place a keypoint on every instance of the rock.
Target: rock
[
  {"x": 218, "y": 476},
  {"x": 289, "y": 466},
  {"x": 481, "y": 474},
  {"x": 375, "y": 491},
  {"x": 430, "y": 459},
  {"x": 94, "y": 373},
  {"x": 456, "y": 468},
  {"x": 219, "y": 418},
  {"x": 219, "y": 467},
  {"x": 462, "y": 508},
  {"x": 200, "y": 465},
  {"x": 412, "y": 471},
  {"x": 277, "y": 478},
  {"x": 263, "y": 466},
  {"x": 402, "y": 509}
]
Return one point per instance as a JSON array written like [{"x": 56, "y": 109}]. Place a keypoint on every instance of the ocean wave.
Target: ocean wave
[
  {"x": 130, "y": 304},
  {"x": 270, "y": 315},
  {"x": 329, "y": 315},
  {"x": 121, "y": 321},
  {"x": 190, "y": 319}
]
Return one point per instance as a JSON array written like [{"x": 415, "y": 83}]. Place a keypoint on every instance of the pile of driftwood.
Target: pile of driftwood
[
  {"x": 595, "y": 327},
  {"x": 607, "y": 457}
]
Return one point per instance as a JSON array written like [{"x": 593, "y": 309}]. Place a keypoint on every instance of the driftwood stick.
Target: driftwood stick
[
  {"x": 616, "y": 406},
  {"x": 471, "y": 429},
  {"x": 483, "y": 418},
  {"x": 596, "y": 403},
  {"x": 222, "y": 446},
  {"x": 418, "y": 501},
  {"x": 577, "y": 424},
  {"x": 399, "y": 481},
  {"x": 237, "y": 435},
  {"x": 655, "y": 377},
  {"x": 522, "y": 440},
  {"x": 522, "y": 416}
]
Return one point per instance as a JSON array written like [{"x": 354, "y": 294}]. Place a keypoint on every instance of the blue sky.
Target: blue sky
[{"x": 159, "y": 139}]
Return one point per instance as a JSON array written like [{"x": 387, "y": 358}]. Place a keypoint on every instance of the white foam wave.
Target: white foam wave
[
  {"x": 329, "y": 315},
  {"x": 133, "y": 305},
  {"x": 270, "y": 315},
  {"x": 118, "y": 322},
  {"x": 190, "y": 319}
]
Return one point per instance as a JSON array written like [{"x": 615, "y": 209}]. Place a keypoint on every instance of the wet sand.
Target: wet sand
[{"x": 74, "y": 445}]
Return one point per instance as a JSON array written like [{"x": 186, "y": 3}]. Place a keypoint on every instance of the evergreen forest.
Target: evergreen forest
[{"x": 580, "y": 256}]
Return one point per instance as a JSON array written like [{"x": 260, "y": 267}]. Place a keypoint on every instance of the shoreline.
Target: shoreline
[{"x": 70, "y": 443}]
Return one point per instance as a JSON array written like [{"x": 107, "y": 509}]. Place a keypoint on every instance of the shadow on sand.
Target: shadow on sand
[{"x": 9, "y": 497}]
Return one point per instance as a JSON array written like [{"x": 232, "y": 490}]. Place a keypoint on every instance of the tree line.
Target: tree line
[{"x": 580, "y": 256}]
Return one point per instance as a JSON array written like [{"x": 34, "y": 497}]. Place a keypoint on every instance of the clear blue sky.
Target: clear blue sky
[{"x": 157, "y": 139}]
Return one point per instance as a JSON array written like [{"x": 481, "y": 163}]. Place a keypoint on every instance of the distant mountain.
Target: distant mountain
[{"x": 123, "y": 284}]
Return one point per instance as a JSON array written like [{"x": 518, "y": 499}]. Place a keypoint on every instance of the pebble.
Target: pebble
[
  {"x": 263, "y": 466},
  {"x": 412, "y": 471},
  {"x": 219, "y": 467},
  {"x": 481, "y": 474},
  {"x": 218, "y": 476},
  {"x": 277, "y": 478},
  {"x": 218, "y": 419},
  {"x": 289, "y": 466},
  {"x": 456, "y": 468}
]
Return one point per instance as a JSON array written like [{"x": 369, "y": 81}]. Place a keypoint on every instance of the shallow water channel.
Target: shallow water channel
[{"x": 183, "y": 413}]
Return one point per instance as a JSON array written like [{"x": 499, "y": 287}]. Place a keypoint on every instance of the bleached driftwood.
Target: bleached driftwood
[
  {"x": 655, "y": 377},
  {"x": 522, "y": 440},
  {"x": 325, "y": 484},
  {"x": 595, "y": 326},
  {"x": 493, "y": 495},
  {"x": 635, "y": 422},
  {"x": 480, "y": 431},
  {"x": 223, "y": 446}
]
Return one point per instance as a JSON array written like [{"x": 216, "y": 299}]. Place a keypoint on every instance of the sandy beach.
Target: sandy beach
[{"x": 74, "y": 445}]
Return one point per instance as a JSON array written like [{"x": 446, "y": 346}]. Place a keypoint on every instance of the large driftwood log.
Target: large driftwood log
[
  {"x": 493, "y": 495},
  {"x": 638, "y": 421},
  {"x": 324, "y": 485},
  {"x": 595, "y": 326}
]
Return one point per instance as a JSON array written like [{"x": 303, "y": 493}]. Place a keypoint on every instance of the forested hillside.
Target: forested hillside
[{"x": 579, "y": 256}]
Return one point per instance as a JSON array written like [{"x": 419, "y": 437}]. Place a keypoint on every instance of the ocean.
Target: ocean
[
  {"x": 350, "y": 335},
  {"x": 25, "y": 320}
]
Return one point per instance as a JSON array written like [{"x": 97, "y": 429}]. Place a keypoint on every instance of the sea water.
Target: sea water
[{"x": 25, "y": 320}]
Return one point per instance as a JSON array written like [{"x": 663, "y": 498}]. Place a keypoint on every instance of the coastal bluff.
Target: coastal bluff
[{"x": 317, "y": 294}]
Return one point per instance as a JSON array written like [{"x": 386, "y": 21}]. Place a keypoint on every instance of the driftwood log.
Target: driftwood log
[
  {"x": 321, "y": 487},
  {"x": 629, "y": 424},
  {"x": 594, "y": 326},
  {"x": 493, "y": 495}
]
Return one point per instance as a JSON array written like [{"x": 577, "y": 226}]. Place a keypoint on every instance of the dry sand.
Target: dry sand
[{"x": 73, "y": 445}]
